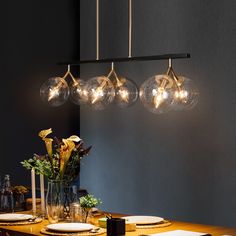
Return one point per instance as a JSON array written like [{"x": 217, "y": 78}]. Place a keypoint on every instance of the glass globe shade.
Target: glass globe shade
[
  {"x": 156, "y": 94},
  {"x": 78, "y": 93},
  {"x": 126, "y": 92},
  {"x": 100, "y": 91},
  {"x": 186, "y": 97},
  {"x": 54, "y": 91}
]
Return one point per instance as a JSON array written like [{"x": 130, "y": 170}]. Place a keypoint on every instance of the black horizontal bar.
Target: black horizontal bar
[{"x": 127, "y": 59}]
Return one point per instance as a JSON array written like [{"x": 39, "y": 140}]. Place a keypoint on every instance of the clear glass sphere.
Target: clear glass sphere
[
  {"x": 54, "y": 91},
  {"x": 78, "y": 93},
  {"x": 156, "y": 94},
  {"x": 101, "y": 92},
  {"x": 186, "y": 96},
  {"x": 126, "y": 92}
]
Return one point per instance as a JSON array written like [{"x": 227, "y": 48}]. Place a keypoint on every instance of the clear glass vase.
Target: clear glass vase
[
  {"x": 54, "y": 201},
  {"x": 86, "y": 215},
  {"x": 58, "y": 199}
]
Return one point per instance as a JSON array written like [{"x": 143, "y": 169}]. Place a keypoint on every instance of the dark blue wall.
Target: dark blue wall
[
  {"x": 35, "y": 35},
  {"x": 179, "y": 165}
]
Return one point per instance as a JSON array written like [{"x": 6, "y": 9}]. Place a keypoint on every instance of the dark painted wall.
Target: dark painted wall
[
  {"x": 35, "y": 35},
  {"x": 179, "y": 165}
]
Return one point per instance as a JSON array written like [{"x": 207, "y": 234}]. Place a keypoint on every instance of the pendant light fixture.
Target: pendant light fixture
[
  {"x": 159, "y": 93},
  {"x": 162, "y": 93}
]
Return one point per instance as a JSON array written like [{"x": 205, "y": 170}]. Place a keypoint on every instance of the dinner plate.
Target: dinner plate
[
  {"x": 70, "y": 227},
  {"x": 14, "y": 217},
  {"x": 143, "y": 220}
]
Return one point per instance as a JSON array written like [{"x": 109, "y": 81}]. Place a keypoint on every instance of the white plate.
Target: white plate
[
  {"x": 70, "y": 227},
  {"x": 143, "y": 220},
  {"x": 14, "y": 217}
]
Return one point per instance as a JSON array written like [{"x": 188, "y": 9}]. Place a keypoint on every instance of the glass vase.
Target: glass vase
[
  {"x": 86, "y": 215},
  {"x": 54, "y": 201},
  {"x": 58, "y": 199}
]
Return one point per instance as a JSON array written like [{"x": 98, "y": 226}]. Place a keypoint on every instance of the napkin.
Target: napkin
[{"x": 180, "y": 233}]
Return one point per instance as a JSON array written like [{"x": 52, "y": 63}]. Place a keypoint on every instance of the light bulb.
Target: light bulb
[
  {"x": 54, "y": 91},
  {"x": 126, "y": 92},
  {"x": 78, "y": 92},
  {"x": 100, "y": 91},
  {"x": 156, "y": 94},
  {"x": 186, "y": 94}
]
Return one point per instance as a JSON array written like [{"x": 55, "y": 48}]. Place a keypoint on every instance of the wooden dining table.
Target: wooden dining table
[{"x": 34, "y": 229}]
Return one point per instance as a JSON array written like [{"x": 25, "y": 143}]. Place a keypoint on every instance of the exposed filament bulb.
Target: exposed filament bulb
[
  {"x": 55, "y": 91},
  {"x": 159, "y": 96},
  {"x": 98, "y": 92},
  {"x": 124, "y": 94},
  {"x": 181, "y": 94}
]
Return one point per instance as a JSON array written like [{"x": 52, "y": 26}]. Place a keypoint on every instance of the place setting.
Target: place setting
[
  {"x": 65, "y": 229},
  {"x": 8, "y": 219},
  {"x": 146, "y": 222}
]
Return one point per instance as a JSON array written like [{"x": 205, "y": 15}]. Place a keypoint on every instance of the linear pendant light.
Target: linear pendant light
[{"x": 159, "y": 93}]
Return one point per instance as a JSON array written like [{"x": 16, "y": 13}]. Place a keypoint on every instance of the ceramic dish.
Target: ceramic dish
[
  {"x": 143, "y": 220},
  {"x": 14, "y": 217},
  {"x": 70, "y": 227}
]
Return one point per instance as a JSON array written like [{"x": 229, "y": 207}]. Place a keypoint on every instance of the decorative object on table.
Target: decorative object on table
[
  {"x": 42, "y": 194},
  {"x": 9, "y": 219},
  {"x": 75, "y": 212},
  {"x": 115, "y": 226},
  {"x": 33, "y": 191},
  {"x": 7, "y": 200},
  {"x": 87, "y": 203},
  {"x": 102, "y": 222},
  {"x": 19, "y": 192},
  {"x": 61, "y": 166}
]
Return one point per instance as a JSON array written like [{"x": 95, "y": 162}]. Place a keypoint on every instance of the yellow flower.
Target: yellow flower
[
  {"x": 74, "y": 138},
  {"x": 44, "y": 133},
  {"x": 48, "y": 141},
  {"x": 65, "y": 151}
]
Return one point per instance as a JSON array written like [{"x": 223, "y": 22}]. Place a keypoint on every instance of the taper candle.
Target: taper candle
[
  {"x": 42, "y": 194},
  {"x": 33, "y": 191}
]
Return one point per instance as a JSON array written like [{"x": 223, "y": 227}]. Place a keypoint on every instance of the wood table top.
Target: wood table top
[{"x": 34, "y": 229}]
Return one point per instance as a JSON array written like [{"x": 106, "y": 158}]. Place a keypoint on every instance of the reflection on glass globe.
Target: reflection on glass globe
[
  {"x": 156, "y": 94},
  {"x": 126, "y": 92},
  {"x": 78, "y": 93},
  {"x": 186, "y": 97},
  {"x": 101, "y": 92},
  {"x": 54, "y": 91}
]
